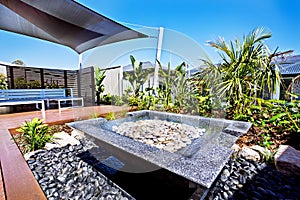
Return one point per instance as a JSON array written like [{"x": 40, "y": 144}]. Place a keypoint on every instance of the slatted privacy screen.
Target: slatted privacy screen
[
  {"x": 86, "y": 85},
  {"x": 81, "y": 81}
]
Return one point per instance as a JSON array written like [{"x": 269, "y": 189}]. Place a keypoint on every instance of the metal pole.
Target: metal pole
[
  {"x": 158, "y": 55},
  {"x": 80, "y": 61},
  {"x": 276, "y": 93},
  {"x": 121, "y": 81}
]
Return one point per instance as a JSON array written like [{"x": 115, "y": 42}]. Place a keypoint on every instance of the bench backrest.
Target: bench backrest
[
  {"x": 54, "y": 93},
  {"x": 19, "y": 94}
]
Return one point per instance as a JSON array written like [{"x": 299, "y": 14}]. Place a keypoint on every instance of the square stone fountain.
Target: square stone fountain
[{"x": 197, "y": 153}]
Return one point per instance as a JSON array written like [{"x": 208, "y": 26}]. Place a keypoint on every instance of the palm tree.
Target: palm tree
[{"x": 246, "y": 67}]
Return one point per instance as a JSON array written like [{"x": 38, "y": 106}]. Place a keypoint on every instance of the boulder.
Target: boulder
[
  {"x": 249, "y": 154},
  {"x": 61, "y": 139},
  {"x": 287, "y": 160},
  {"x": 264, "y": 152},
  {"x": 236, "y": 149}
]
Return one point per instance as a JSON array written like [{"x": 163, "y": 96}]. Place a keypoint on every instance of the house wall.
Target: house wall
[
  {"x": 2, "y": 69},
  {"x": 112, "y": 82}
]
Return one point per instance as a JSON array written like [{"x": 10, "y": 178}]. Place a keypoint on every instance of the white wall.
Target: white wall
[{"x": 3, "y": 69}]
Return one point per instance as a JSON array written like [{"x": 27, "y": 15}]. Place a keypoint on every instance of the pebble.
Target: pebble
[
  {"x": 72, "y": 180},
  {"x": 73, "y": 177},
  {"x": 162, "y": 134},
  {"x": 248, "y": 179}
]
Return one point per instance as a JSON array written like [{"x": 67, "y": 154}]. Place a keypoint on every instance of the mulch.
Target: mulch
[{"x": 286, "y": 138}]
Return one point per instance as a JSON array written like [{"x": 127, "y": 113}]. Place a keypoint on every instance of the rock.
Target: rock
[
  {"x": 226, "y": 173},
  {"x": 249, "y": 154},
  {"x": 63, "y": 175},
  {"x": 236, "y": 148},
  {"x": 287, "y": 160},
  {"x": 166, "y": 135},
  {"x": 263, "y": 151},
  {"x": 63, "y": 139}
]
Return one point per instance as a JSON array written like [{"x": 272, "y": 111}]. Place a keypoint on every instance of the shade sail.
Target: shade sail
[{"x": 64, "y": 22}]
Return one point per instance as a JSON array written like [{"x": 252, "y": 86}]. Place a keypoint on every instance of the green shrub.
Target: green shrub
[
  {"x": 36, "y": 134},
  {"x": 3, "y": 82},
  {"x": 271, "y": 119},
  {"x": 110, "y": 116},
  {"x": 94, "y": 115},
  {"x": 116, "y": 100},
  {"x": 106, "y": 99}
]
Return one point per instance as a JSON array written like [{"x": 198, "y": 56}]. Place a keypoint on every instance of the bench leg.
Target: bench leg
[
  {"x": 43, "y": 110},
  {"x": 48, "y": 103},
  {"x": 82, "y": 102},
  {"x": 59, "y": 107}
]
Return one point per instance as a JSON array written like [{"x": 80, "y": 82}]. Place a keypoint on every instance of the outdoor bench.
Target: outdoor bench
[
  {"x": 22, "y": 96},
  {"x": 37, "y": 96},
  {"x": 61, "y": 95}
]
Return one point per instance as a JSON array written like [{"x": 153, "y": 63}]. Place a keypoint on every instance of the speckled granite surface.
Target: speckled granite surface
[{"x": 200, "y": 162}]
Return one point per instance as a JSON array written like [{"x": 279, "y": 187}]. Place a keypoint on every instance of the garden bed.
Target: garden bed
[
  {"x": 253, "y": 137},
  {"x": 259, "y": 179}
]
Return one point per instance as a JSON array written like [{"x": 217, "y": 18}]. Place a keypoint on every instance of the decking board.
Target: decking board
[{"x": 18, "y": 181}]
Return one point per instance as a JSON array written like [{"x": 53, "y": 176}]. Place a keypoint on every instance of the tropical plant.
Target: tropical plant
[
  {"x": 94, "y": 115},
  {"x": 35, "y": 133},
  {"x": 99, "y": 76},
  {"x": 178, "y": 92},
  {"x": 116, "y": 100},
  {"x": 3, "y": 81},
  {"x": 110, "y": 116},
  {"x": 138, "y": 76},
  {"x": 246, "y": 68},
  {"x": 266, "y": 142}
]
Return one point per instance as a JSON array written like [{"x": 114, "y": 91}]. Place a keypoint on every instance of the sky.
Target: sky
[{"x": 198, "y": 21}]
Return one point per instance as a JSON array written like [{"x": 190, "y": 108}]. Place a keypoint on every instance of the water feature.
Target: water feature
[{"x": 199, "y": 161}]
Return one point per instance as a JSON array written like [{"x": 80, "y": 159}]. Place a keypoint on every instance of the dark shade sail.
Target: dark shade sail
[{"x": 64, "y": 22}]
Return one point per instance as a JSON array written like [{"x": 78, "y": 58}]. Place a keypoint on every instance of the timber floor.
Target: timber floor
[{"x": 16, "y": 179}]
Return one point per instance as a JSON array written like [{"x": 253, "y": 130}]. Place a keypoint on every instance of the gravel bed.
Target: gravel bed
[
  {"x": 62, "y": 174},
  {"x": 65, "y": 173},
  {"x": 166, "y": 135},
  {"x": 246, "y": 179}
]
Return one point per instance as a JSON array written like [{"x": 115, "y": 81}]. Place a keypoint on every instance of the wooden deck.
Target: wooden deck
[{"x": 16, "y": 179}]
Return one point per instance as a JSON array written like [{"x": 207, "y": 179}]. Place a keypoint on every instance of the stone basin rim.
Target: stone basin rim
[{"x": 212, "y": 162}]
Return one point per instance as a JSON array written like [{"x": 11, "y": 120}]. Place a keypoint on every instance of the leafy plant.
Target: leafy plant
[
  {"x": 138, "y": 76},
  {"x": 94, "y": 115},
  {"x": 3, "y": 81},
  {"x": 110, "y": 116},
  {"x": 266, "y": 141},
  {"x": 268, "y": 155},
  {"x": 116, "y": 100},
  {"x": 35, "y": 133},
  {"x": 99, "y": 76}
]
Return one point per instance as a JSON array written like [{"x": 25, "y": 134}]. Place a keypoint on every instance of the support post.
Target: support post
[
  {"x": 276, "y": 93},
  {"x": 80, "y": 61},
  {"x": 121, "y": 81}
]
